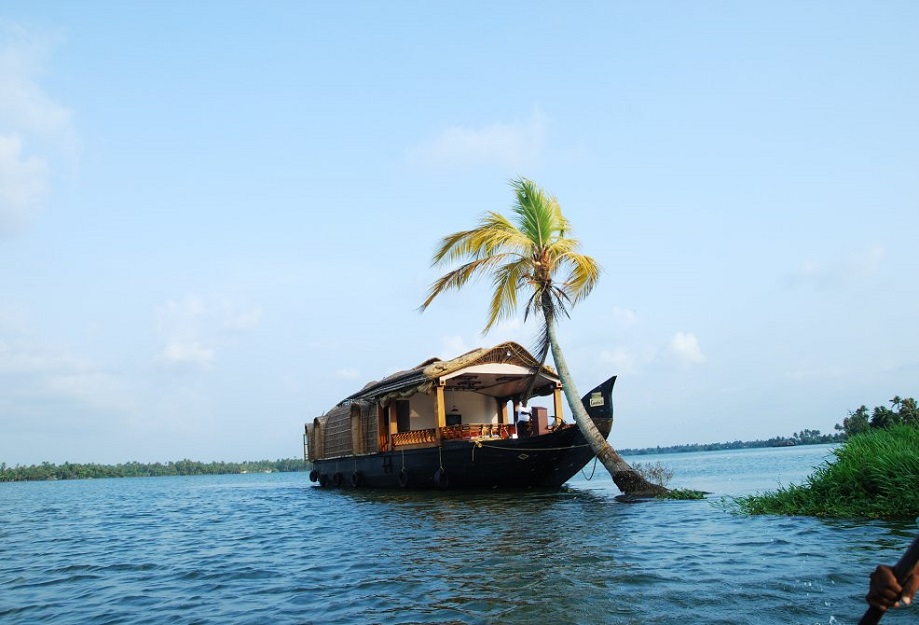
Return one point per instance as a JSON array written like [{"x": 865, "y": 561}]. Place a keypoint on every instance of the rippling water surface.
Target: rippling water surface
[{"x": 271, "y": 548}]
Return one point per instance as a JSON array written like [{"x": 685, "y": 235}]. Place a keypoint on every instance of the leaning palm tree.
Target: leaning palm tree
[{"x": 533, "y": 254}]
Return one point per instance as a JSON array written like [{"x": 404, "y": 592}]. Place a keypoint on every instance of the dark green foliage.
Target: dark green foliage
[
  {"x": 874, "y": 475},
  {"x": 75, "y": 471},
  {"x": 804, "y": 437},
  {"x": 856, "y": 422},
  {"x": 901, "y": 412},
  {"x": 683, "y": 493}
]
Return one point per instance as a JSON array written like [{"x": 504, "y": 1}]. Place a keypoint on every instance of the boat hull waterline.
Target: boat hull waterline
[{"x": 368, "y": 441}]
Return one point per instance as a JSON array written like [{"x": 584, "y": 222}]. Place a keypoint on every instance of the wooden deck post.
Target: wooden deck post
[
  {"x": 383, "y": 436},
  {"x": 393, "y": 422},
  {"x": 441, "y": 410},
  {"x": 557, "y": 396}
]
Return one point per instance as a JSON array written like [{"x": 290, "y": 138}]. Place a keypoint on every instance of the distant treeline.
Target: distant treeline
[
  {"x": 805, "y": 437},
  {"x": 76, "y": 471},
  {"x": 902, "y": 411},
  {"x": 873, "y": 475}
]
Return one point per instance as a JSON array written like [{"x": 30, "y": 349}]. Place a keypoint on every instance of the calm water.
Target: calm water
[{"x": 273, "y": 549}]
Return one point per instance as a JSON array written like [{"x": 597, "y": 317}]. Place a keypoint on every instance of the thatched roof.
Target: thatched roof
[{"x": 422, "y": 377}]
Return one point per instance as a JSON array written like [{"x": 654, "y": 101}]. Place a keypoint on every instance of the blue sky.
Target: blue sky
[{"x": 216, "y": 218}]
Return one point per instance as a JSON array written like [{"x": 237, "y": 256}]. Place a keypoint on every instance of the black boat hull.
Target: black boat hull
[{"x": 545, "y": 461}]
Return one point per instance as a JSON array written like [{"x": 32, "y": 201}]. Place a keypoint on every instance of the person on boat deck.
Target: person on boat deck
[
  {"x": 885, "y": 592},
  {"x": 523, "y": 422}
]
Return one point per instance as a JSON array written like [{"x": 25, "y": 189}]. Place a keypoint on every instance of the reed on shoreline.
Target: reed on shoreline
[{"x": 874, "y": 475}]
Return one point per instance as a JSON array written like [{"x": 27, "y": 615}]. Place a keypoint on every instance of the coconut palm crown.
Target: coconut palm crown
[
  {"x": 533, "y": 253},
  {"x": 530, "y": 251}
]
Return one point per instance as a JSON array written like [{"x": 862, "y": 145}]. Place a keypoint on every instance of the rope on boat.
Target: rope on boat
[
  {"x": 440, "y": 457},
  {"x": 474, "y": 445},
  {"x": 479, "y": 444},
  {"x": 594, "y": 470}
]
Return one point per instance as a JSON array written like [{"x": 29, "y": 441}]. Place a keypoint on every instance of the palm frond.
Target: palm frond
[
  {"x": 576, "y": 272},
  {"x": 538, "y": 215},
  {"x": 459, "y": 277},
  {"x": 493, "y": 233},
  {"x": 531, "y": 251},
  {"x": 583, "y": 275},
  {"x": 506, "y": 283}
]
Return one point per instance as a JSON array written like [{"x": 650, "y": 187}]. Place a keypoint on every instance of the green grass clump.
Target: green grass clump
[
  {"x": 683, "y": 493},
  {"x": 874, "y": 475}
]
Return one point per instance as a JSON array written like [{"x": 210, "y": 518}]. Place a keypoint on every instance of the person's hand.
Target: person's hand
[{"x": 885, "y": 591}]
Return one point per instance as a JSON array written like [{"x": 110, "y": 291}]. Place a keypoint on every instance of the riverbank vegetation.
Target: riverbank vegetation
[
  {"x": 804, "y": 437},
  {"x": 873, "y": 474},
  {"x": 77, "y": 471}
]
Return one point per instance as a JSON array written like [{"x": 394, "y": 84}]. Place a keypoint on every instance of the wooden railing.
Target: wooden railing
[
  {"x": 453, "y": 432},
  {"x": 477, "y": 430},
  {"x": 415, "y": 437}
]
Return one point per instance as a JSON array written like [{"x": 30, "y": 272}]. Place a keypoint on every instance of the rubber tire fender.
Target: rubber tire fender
[
  {"x": 314, "y": 475},
  {"x": 403, "y": 478},
  {"x": 337, "y": 479},
  {"x": 357, "y": 479},
  {"x": 441, "y": 479}
]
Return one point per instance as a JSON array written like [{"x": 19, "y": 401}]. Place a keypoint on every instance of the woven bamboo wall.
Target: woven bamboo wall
[
  {"x": 370, "y": 429},
  {"x": 338, "y": 441},
  {"x": 340, "y": 431}
]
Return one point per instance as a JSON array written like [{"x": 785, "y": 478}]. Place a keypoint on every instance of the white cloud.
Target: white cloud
[
  {"x": 95, "y": 388},
  {"x": 829, "y": 372},
  {"x": 244, "y": 320},
  {"x": 182, "y": 312},
  {"x": 857, "y": 265},
  {"x": 624, "y": 317},
  {"x": 516, "y": 145},
  {"x": 452, "y": 346},
  {"x": 194, "y": 330},
  {"x": 190, "y": 353},
  {"x": 23, "y": 184},
  {"x": 685, "y": 348},
  {"x": 182, "y": 325},
  {"x": 34, "y": 129},
  {"x": 38, "y": 373},
  {"x": 19, "y": 358},
  {"x": 622, "y": 360},
  {"x": 629, "y": 360},
  {"x": 348, "y": 374},
  {"x": 23, "y": 55}
]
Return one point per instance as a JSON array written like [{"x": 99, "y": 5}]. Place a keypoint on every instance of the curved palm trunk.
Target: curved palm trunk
[{"x": 627, "y": 479}]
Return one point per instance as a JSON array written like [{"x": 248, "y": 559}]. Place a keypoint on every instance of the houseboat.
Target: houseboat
[{"x": 457, "y": 424}]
